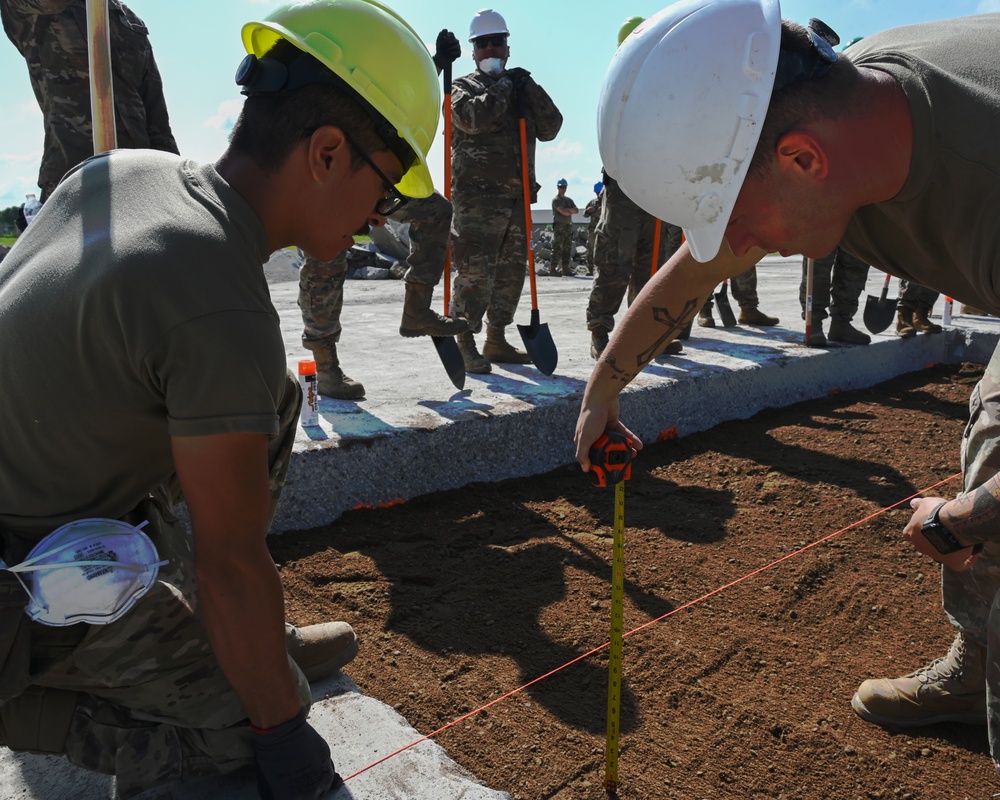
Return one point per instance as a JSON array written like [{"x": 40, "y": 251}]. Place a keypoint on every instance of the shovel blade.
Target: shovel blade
[
  {"x": 879, "y": 313},
  {"x": 725, "y": 310},
  {"x": 451, "y": 358},
  {"x": 538, "y": 342}
]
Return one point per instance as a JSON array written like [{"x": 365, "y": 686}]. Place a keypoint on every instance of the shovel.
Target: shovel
[
  {"x": 102, "y": 96},
  {"x": 810, "y": 269},
  {"x": 725, "y": 310},
  {"x": 447, "y": 348},
  {"x": 536, "y": 337},
  {"x": 879, "y": 311}
]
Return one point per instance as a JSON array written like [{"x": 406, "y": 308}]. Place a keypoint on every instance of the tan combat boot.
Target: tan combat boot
[
  {"x": 705, "y": 318},
  {"x": 321, "y": 649},
  {"x": 420, "y": 320},
  {"x": 332, "y": 381},
  {"x": 949, "y": 689},
  {"x": 598, "y": 341},
  {"x": 904, "y": 323},
  {"x": 923, "y": 325},
  {"x": 754, "y": 316},
  {"x": 841, "y": 330},
  {"x": 499, "y": 351},
  {"x": 474, "y": 360}
]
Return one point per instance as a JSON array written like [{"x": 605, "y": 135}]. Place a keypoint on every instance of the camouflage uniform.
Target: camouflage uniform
[
  {"x": 623, "y": 254},
  {"x": 143, "y": 698},
  {"x": 593, "y": 214},
  {"x": 489, "y": 241},
  {"x": 52, "y": 37},
  {"x": 839, "y": 275},
  {"x": 916, "y": 297},
  {"x": 321, "y": 283},
  {"x": 562, "y": 234},
  {"x": 971, "y": 599}
]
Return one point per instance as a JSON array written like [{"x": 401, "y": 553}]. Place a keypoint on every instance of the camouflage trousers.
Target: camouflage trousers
[
  {"x": 562, "y": 243},
  {"x": 489, "y": 248},
  {"x": 743, "y": 289},
  {"x": 591, "y": 236},
  {"x": 971, "y": 599},
  {"x": 839, "y": 276},
  {"x": 144, "y": 698},
  {"x": 623, "y": 255},
  {"x": 321, "y": 283},
  {"x": 916, "y": 297}
]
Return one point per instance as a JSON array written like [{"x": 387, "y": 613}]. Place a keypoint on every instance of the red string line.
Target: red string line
[{"x": 645, "y": 625}]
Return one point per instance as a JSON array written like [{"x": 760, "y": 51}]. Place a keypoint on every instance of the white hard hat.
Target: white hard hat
[
  {"x": 487, "y": 22},
  {"x": 681, "y": 109}
]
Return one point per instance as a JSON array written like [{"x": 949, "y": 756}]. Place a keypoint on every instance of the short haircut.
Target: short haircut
[
  {"x": 826, "y": 97},
  {"x": 270, "y": 126}
]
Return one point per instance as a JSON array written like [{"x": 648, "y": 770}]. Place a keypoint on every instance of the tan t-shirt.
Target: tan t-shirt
[
  {"x": 941, "y": 230},
  {"x": 133, "y": 309}
]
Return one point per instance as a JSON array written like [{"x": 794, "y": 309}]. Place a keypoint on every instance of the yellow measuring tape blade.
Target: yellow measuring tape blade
[{"x": 615, "y": 651}]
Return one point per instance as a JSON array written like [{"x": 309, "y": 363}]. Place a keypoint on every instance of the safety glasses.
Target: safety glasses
[
  {"x": 392, "y": 200},
  {"x": 490, "y": 41}
]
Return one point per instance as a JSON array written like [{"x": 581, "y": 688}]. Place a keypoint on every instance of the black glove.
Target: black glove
[
  {"x": 518, "y": 76},
  {"x": 446, "y": 49},
  {"x": 293, "y": 762}
]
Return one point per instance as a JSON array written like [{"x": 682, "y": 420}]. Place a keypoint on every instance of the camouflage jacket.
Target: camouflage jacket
[
  {"x": 565, "y": 202},
  {"x": 52, "y": 37},
  {"x": 486, "y": 138}
]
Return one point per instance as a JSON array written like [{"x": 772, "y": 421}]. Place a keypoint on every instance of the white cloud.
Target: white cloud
[
  {"x": 18, "y": 174},
  {"x": 562, "y": 151},
  {"x": 225, "y": 116}
]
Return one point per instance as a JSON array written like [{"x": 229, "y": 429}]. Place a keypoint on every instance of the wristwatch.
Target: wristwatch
[{"x": 937, "y": 534}]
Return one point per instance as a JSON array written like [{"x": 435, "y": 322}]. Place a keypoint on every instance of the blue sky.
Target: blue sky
[{"x": 566, "y": 46}]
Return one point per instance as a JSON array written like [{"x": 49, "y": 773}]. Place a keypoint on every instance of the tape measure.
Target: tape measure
[{"x": 611, "y": 459}]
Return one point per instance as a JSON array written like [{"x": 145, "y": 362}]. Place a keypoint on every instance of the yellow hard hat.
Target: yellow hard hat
[
  {"x": 627, "y": 27},
  {"x": 379, "y": 56}
]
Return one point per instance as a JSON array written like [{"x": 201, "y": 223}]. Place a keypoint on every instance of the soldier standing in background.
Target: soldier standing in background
[
  {"x": 489, "y": 237},
  {"x": 915, "y": 303},
  {"x": 563, "y": 209},
  {"x": 52, "y": 37},
  {"x": 593, "y": 213},
  {"x": 744, "y": 288},
  {"x": 842, "y": 277},
  {"x": 321, "y": 294}
]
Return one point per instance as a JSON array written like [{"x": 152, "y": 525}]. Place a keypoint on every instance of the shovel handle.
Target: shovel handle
[
  {"x": 446, "y": 75},
  {"x": 810, "y": 269},
  {"x": 523, "y": 127},
  {"x": 885, "y": 289},
  {"x": 656, "y": 248},
  {"x": 102, "y": 93}
]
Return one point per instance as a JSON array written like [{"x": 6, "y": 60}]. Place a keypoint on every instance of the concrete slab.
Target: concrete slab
[{"x": 413, "y": 434}]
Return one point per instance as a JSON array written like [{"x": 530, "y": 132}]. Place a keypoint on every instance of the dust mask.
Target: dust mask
[
  {"x": 491, "y": 66},
  {"x": 92, "y": 570}
]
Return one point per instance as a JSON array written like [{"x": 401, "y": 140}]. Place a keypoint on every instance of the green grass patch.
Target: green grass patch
[{"x": 8, "y": 240}]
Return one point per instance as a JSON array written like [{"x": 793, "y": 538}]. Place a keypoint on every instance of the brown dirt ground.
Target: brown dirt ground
[{"x": 463, "y": 596}]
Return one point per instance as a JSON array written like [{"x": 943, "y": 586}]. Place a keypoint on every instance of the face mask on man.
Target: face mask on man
[
  {"x": 91, "y": 570},
  {"x": 491, "y": 66}
]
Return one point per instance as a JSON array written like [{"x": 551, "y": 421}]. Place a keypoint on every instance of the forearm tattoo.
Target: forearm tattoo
[
  {"x": 674, "y": 325},
  {"x": 978, "y": 512}
]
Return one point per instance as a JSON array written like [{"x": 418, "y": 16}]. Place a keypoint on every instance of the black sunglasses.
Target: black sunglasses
[
  {"x": 794, "y": 67},
  {"x": 486, "y": 41},
  {"x": 392, "y": 201}
]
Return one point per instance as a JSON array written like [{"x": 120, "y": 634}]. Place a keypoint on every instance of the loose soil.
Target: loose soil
[{"x": 464, "y": 596}]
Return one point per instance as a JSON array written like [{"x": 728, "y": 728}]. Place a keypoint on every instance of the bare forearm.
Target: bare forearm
[{"x": 975, "y": 516}]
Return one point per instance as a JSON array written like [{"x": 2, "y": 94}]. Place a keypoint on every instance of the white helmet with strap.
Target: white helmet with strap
[
  {"x": 487, "y": 22},
  {"x": 681, "y": 110}
]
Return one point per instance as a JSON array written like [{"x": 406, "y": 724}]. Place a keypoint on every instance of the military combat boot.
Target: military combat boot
[
  {"x": 949, "y": 689},
  {"x": 904, "y": 323},
  {"x": 816, "y": 338},
  {"x": 754, "y": 316},
  {"x": 923, "y": 325},
  {"x": 321, "y": 649},
  {"x": 332, "y": 380},
  {"x": 474, "y": 360},
  {"x": 672, "y": 349},
  {"x": 841, "y": 330},
  {"x": 705, "y": 318},
  {"x": 499, "y": 351},
  {"x": 420, "y": 320},
  {"x": 598, "y": 341}
]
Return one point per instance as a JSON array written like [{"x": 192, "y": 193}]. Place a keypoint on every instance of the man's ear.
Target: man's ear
[
  {"x": 329, "y": 153},
  {"x": 800, "y": 153}
]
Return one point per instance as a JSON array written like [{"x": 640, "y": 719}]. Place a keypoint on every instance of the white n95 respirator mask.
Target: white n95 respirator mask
[{"x": 91, "y": 570}]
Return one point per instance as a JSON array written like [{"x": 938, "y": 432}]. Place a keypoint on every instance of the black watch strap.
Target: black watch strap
[{"x": 937, "y": 534}]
